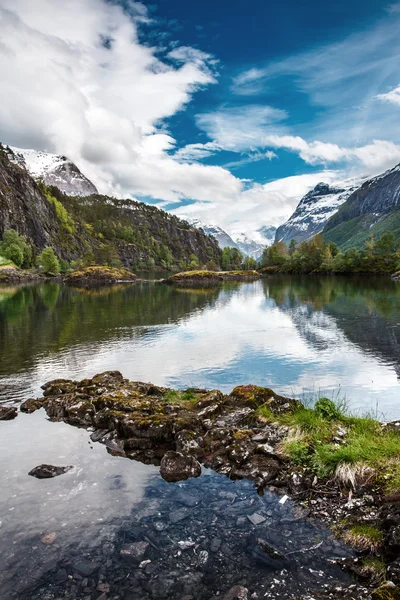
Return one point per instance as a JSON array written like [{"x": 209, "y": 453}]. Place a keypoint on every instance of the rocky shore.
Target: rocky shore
[
  {"x": 240, "y": 435},
  {"x": 204, "y": 278},
  {"x": 97, "y": 276}
]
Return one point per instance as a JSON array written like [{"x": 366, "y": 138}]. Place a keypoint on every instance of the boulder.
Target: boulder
[
  {"x": 176, "y": 466},
  {"x": 7, "y": 413}
]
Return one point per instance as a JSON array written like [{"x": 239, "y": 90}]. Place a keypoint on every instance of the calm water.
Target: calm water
[
  {"x": 340, "y": 336},
  {"x": 296, "y": 335}
]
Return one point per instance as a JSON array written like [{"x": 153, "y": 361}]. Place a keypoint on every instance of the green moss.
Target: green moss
[
  {"x": 386, "y": 592},
  {"x": 242, "y": 434},
  {"x": 363, "y": 536},
  {"x": 103, "y": 273},
  {"x": 374, "y": 568}
]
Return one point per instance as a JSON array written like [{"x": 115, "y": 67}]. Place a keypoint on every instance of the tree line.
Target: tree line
[{"x": 318, "y": 256}]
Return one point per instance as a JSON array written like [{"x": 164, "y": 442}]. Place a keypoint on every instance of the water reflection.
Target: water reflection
[{"x": 298, "y": 335}]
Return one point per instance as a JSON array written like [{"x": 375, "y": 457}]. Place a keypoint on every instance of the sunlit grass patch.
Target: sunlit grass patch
[
  {"x": 363, "y": 537},
  {"x": 334, "y": 443}
]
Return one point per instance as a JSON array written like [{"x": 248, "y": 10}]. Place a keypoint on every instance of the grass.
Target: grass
[
  {"x": 5, "y": 262},
  {"x": 363, "y": 537},
  {"x": 179, "y": 396},
  {"x": 335, "y": 443}
]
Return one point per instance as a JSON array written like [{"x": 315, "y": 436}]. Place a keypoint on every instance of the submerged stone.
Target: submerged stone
[
  {"x": 134, "y": 551},
  {"x": 48, "y": 471}
]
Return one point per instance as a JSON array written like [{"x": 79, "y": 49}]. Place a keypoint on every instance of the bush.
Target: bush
[
  {"x": 327, "y": 409},
  {"x": 8, "y": 248},
  {"x": 49, "y": 262},
  {"x": 14, "y": 253}
]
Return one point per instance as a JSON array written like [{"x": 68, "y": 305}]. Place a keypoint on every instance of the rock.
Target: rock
[
  {"x": 215, "y": 544},
  {"x": 238, "y": 592},
  {"x": 134, "y": 551},
  {"x": 48, "y": 471},
  {"x": 178, "y": 515},
  {"x": 256, "y": 518},
  {"x": 61, "y": 576},
  {"x": 393, "y": 571},
  {"x": 30, "y": 405},
  {"x": 178, "y": 467},
  {"x": 7, "y": 413},
  {"x": 187, "y": 499},
  {"x": 49, "y": 538},
  {"x": 85, "y": 568}
]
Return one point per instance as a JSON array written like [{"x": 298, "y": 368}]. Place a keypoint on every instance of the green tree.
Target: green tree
[
  {"x": 49, "y": 262},
  {"x": 249, "y": 263},
  {"x": 12, "y": 238},
  {"x": 386, "y": 243},
  {"x": 13, "y": 252},
  {"x": 292, "y": 247}
]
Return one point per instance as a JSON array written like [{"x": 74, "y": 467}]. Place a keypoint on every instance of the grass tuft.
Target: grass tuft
[{"x": 335, "y": 443}]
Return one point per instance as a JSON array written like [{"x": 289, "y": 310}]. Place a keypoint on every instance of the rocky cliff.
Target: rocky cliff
[
  {"x": 53, "y": 169},
  {"x": 139, "y": 235}
]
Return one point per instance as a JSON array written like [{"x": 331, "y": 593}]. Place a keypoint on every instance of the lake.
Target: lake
[
  {"x": 62, "y": 538},
  {"x": 301, "y": 336}
]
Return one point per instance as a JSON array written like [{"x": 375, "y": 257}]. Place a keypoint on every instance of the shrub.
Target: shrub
[
  {"x": 14, "y": 253},
  {"x": 49, "y": 261},
  {"x": 11, "y": 240}
]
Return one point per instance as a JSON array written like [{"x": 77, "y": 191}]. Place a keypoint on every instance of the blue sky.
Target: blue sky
[{"x": 224, "y": 112}]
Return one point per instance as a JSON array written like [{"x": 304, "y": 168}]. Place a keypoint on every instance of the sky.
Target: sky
[{"x": 224, "y": 112}]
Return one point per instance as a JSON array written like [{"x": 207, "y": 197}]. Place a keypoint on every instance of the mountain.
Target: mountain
[
  {"x": 53, "y": 169},
  {"x": 372, "y": 208},
  {"x": 224, "y": 239},
  {"x": 97, "y": 227},
  {"x": 314, "y": 210},
  {"x": 253, "y": 247},
  {"x": 248, "y": 246}
]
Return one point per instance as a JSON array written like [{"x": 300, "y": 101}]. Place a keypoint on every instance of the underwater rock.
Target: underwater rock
[{"x": 48, "y": 471}]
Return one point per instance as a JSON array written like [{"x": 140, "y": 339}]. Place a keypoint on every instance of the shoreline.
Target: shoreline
[{"x": 248, "y": 434}]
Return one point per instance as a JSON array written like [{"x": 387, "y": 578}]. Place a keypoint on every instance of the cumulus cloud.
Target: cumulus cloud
[
  {"x": 77, "y": 81},
  {"x": 393, "y": 96},
  {"x": 271, "y": 203}
]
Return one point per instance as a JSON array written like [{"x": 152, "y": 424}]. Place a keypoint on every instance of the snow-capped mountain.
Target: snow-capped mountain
[
  {"x": 224, "y": 239},
  {"x": 315, "y": 209},
  {"x": 249, "y": 246},
  {"x": 53, "y": 169}
]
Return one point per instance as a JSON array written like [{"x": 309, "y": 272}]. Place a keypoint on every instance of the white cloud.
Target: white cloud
[
  {"x": 375, "y": 157},
  {"x": 271, "y": 203},
  {"x": 241, "y": 128},
  {"x": 76, "y": 80},
  {"x": 65, "y": 90},
  {"x": 393, "y": 96}
]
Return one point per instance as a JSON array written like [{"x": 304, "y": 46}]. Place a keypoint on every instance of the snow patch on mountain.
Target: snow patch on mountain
[
  {"x": 315, "y": 209},
  {"x": 53, "y": 169},
  {"x": 249, "y": 244}
]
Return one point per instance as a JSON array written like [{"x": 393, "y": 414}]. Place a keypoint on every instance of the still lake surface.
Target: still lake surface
[{"x": 300, "y": 336}]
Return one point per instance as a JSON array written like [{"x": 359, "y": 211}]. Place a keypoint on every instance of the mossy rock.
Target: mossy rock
[
  {"x": 206, "y": 277},
  {"x": 100, "y": 275},
  {"x": 386, "y": 592},
  {"x": 253, "y": 396}
]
